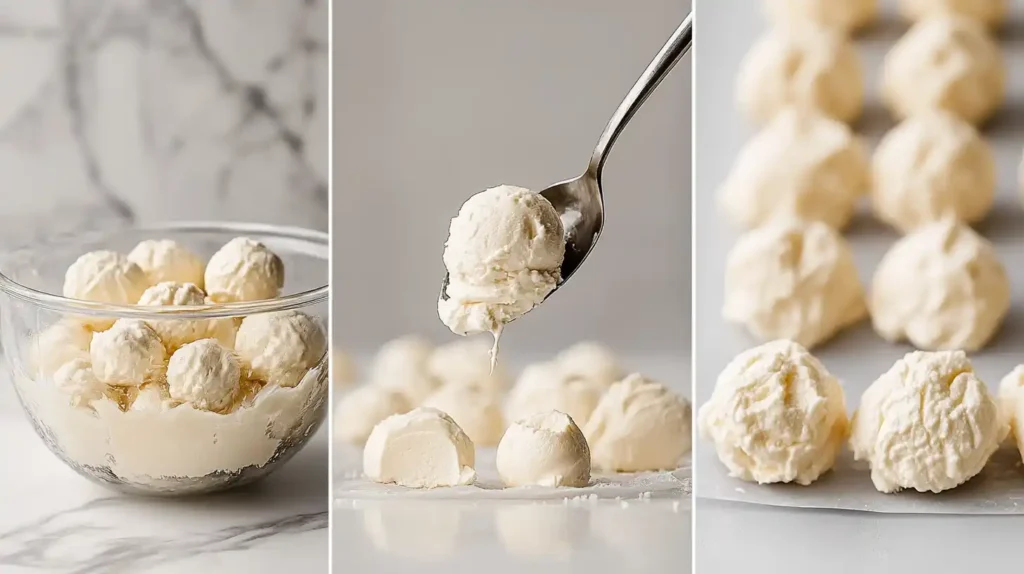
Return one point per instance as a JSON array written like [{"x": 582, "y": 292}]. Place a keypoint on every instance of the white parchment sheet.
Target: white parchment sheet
[
  {"x": 350, "y": 483},
  {"x": 857, "y": 356}
]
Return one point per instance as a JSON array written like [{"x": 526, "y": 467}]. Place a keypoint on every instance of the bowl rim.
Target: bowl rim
[{"x": 54, "y": 302}]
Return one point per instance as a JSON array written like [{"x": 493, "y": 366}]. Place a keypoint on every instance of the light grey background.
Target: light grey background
[
  {"x": 435, "y": 101},
  {"x": 729, "y": 536}
]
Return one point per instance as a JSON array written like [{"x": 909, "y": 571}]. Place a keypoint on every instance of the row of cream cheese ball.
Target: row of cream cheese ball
[
  {"x": 852, "y": 15},
  {"x": 945, "y": 61},
  {"x": 928, "y": 424},
  {"x": 202, "y": 362},
  {"x": 940, "y": 287},
  {"x": 629, "y": 423}
]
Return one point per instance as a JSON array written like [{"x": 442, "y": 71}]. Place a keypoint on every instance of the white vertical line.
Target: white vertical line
[
  {"x": 693, "y": 287},
  {"x": 331, "y": 285}
]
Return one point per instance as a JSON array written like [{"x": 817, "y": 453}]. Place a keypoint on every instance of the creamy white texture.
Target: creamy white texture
[
  {"x": 803, "y": 165},
  {"x": 804, "y": 66},
  {"x": 167, "y": 260},
  {"x": 423, "y": 448},
  {"x": 205, "y": 374},
  {"x": 477, "y": 411},
  {"x": 77, "y": 380},
  {"x": 177, "y": 332},
  {"x": 59, "y": 343},
  {"x": 942, "y": 287},
  {"x": 360, "y": 410},
  {"x": 988, "y": 12},
  {"x": 105, "y": 277},
  {"x": 776, "y": 415},
  {"x": 842, "y": 15},
  {"x": 932, "y": 165},
  {"x": 591, "y": 361},
  {"x": 928, "y": 424},
  {"x": 945, "y": 62},
  {"x": 544, "y": 449},
  {"x": 793, "y": 280},
  {"x": 243, "y": 270},
  {"x": 503, "y": 255},
  {"x": 639, "y": 425},
  {"x": 128, "y": 354},
  {"x": 545, "y": 387},
  {"x": 151, "y": 444},
  {"x": 280, "y": 346}
]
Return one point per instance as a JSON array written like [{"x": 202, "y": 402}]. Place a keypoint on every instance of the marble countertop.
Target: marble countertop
[{"x": 52, "y": 520}]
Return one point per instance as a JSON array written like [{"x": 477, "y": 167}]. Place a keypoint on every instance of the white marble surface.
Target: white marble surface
[
  {"x": 114, "y": 111},
  {"x": 52, "y": 520}
]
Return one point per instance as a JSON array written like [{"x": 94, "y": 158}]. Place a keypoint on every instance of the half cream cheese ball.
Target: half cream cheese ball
[
  {"x": 793, "y": 280},
  {"x": 941, "y": 287},
  {"x": 802, "y": 164},
  {"x": 841, "y": 15},
  {"x": 639, "y": 425},
  {"x": 776, "y": 415},
  {"x": 928, "y": 424},
  {"x": 931, "y": 165},
  {"x": 503, "y": 255},
  {"x": 946, "y": 62},
  {"x": 803, "y": 66},
  {"x": 423, "y": 448}
]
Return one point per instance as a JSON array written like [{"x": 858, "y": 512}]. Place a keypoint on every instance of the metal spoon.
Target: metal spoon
[{"x": 579, "y": 201}]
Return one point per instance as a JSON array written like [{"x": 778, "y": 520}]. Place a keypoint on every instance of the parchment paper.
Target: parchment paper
[
  {"x": 857, "y": 356},
  {"x": 351, "y": 484}
]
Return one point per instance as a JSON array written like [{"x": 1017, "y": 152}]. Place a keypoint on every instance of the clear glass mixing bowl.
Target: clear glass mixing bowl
[{"x": 166, "y": 451}]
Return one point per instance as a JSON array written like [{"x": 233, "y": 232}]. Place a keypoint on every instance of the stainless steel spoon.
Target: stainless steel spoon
[{"x": 579, "y": 201}]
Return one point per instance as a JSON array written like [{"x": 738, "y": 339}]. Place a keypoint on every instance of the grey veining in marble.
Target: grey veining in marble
[{"x": 122, "y": 110}]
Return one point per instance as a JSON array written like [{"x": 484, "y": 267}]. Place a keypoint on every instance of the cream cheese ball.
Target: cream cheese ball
[
  {"x": 280, "y": 347},
  {"x": 802, "y": 164},
  {"x": 793, "y": 280},
  {"x": 205, "y": 375},
  {"x": 545, "y": 387},
  {"x": 928, "y": 424},
  {"x": 842, "y": 15},
  {"x": 949, "y": 63},
  {"x": 1009, "y": 401},
  {"x": 167, "y": 260},
  {"x": 244, "y": 270},
  {"x": 467, "y": 362},
  {"x": 776, "y": 415},
  {"x": 639, "y": 425},
  {"x": 988, "y": 12},
  {"x": 360, "y": 410},
  {"x": 802, "y": 66},
  {"x": 423, "y": 448},
  {"x": 401, "y": 365},
  {"x": 476, "y": 411},
  {"x": 932, "y": 165},
  {"x": 591, "y": 361},
  {"x": 177, "y": 332},
  {"x": 105, "y": 277},
  {"x": 942, "y": 287},
  {"x": 77, "y": 380},
  {"x": 128, "y": 354},
  {"x": 544, "y": 449},
  {"x": 58, "y": 344},
  {"x": 503, "y": 255}
]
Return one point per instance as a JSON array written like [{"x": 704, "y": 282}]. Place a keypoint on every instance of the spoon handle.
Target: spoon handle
[{"x": 656, "y": 71}]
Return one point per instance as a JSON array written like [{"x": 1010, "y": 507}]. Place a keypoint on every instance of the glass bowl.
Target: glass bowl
[{"x": 166, "y": 449}]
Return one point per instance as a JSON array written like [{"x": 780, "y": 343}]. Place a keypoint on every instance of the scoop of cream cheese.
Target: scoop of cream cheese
[
  {"x": 504, "y": 254},
  {"x": 423, "y": 448},
  {"x": 544, "y": 449}
]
